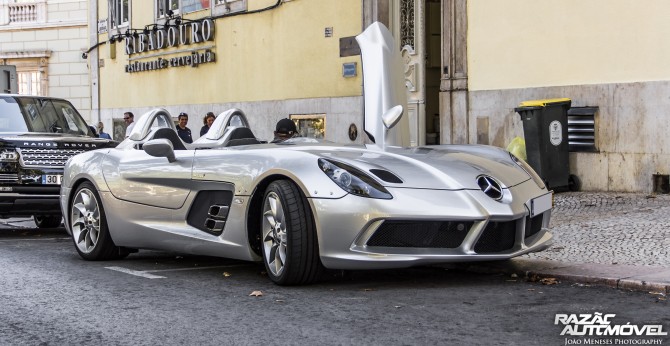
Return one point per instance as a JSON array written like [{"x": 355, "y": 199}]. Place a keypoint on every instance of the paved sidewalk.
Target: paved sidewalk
[{"x": 619, "y": 240}]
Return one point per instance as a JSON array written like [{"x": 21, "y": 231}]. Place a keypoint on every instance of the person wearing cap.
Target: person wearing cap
[
  {"x": 183, "y": 131},
  {"x": 285, "y": 129}
]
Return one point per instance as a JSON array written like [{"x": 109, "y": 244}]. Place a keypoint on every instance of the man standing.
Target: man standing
[
  {"x": 284, "y": 130},
  {"x": 129, "y": 118},
  {"x": 101, "y": 133},
  {"x": 183, "y": 131}
]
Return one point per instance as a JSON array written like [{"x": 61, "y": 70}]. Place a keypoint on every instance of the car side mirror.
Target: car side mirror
[
  {"x": 160, "y": 147},
  {"x": 391, "y": 117}
]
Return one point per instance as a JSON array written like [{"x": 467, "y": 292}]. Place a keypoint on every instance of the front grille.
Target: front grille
[
  {"x": 497, "y": 237},
  {"x": 9, "y": 178},
  {"x": 533, "y": 225},
  {"x": 51, "y": 158},
  {"x": 420, "y": 234}
]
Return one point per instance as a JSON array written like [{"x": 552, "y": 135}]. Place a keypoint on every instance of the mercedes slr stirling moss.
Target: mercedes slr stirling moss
[{"x": 37, "y": 136}]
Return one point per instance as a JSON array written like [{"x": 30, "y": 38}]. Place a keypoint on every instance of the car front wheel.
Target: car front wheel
[
  {"x": 89, "y": 226},
  {"x": 290, "y": 247}
]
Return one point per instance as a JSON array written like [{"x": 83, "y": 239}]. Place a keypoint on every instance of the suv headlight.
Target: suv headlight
[
  {"x": 9, "y": 156},
  {"x": 529, "y": 170},
  {"x": 353, "y": 180}
]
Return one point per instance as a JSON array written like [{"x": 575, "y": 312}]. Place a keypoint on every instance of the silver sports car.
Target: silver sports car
[{"x": 304, "y": 205}]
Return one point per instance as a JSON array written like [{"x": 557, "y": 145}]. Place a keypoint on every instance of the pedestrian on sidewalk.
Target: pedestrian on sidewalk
[
  {"x": 208, "y": 121},
  {"x": 183, "y": 131}
]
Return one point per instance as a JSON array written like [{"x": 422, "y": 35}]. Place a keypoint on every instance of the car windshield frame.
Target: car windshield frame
[{"x": 41, "y": 115}]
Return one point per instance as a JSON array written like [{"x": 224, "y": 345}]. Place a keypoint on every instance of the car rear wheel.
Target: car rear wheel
[
  {"x": 290, "y": 247},
  {"x": 47, "y": 221},
  {"x": 89, "y": 226}
]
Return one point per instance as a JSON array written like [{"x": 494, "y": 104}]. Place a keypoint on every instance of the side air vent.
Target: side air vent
[
  {"x": 217, "y": 218},
  {"x": 386, "y": 176},
  {"x": 209, "y": 211}
]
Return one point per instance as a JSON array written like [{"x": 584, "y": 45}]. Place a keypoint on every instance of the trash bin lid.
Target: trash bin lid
[{"x": 543, "y": 103}]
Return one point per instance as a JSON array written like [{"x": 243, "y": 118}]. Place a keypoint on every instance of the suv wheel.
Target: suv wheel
[{"x": 47, "y": 221}]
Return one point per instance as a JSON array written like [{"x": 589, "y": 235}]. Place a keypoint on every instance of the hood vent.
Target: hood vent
[{"x": 386, "y": 176}]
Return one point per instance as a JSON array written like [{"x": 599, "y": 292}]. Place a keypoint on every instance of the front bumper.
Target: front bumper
[
  {"x": 27, "y": 201},
  {"x": 491, "y": 230}
]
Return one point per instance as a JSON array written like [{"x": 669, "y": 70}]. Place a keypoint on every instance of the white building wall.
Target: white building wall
[
  {"x": 340, "y": 113},
  {"x": 63, "y": 37}
]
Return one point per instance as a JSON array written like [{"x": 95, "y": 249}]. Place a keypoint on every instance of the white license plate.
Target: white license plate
[
  {"x": 52, "y": 179},
  {"x": 540, "y": 204}
]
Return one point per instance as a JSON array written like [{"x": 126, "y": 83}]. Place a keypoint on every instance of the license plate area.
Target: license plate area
[
  {"x": 52, "y": 179},
  {"x": 540, "y": 204}
]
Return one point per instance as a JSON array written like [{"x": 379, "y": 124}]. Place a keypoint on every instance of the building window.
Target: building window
[
  {"x": 228, "y": 6},
  {"x": 119, "y": 13},
  {"x": 407, "y": 23},
  {"x": 166, "y": 8},
  {"x": 31, "y": 71},
  {"x": 194, "y": 5},
  {"x": 30, "y": 83},
  {"x": 310, "y": 125}
]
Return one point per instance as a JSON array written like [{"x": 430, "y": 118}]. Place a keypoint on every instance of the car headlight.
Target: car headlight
[
  {"x": 353, "y": 180},
  {"x": 9, "y": 156},
  {"x": 529, "y": 170}
]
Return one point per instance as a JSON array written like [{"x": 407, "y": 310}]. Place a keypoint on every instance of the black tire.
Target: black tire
[
  {"x": 47, "y": 221},
  {"x": 287, "y": 227},
  {"x": 88, "y": 225},
  {"x": 574, "y": 184}
]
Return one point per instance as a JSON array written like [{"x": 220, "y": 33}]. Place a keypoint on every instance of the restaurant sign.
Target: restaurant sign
[
  {"x": 184, "y": 34},
  {"x": 175, "y": 35},
  {"x": 194, "y": 59}
]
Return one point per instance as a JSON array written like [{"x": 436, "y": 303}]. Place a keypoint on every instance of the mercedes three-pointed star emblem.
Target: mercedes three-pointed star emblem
[{"x": 490, "y": 187}]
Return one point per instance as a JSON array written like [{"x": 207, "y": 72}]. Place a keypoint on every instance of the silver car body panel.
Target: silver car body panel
[{"x": 150, "y": 202}]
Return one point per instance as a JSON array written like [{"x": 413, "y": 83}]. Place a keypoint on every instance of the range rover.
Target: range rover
[{"x": 37, "y": 136}]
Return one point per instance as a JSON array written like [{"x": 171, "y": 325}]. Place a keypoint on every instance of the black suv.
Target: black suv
[{"x": 37, "y": 136}]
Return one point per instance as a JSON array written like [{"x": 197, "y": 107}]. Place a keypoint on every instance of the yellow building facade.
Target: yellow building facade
[{"x": 272, "y": 59}]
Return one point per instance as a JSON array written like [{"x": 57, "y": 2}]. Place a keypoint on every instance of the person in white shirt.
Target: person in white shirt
[{"x": 129, "y": 118}]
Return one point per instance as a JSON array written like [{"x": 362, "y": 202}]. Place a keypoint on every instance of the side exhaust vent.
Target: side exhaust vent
[{"x": 216, "y": 218}]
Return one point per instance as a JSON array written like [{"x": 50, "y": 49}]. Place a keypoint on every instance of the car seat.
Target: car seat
[{"x": 170, "y": 135}]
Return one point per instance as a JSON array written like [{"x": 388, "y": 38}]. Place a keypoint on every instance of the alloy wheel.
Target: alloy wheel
[
  {"x": 274, "y": 234},
  {"x": 85, "y": 218}
]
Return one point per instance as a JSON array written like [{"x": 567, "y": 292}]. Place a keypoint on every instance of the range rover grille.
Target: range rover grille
[
  {"x": 9, "y": 178},
  {"x": 50, "y": 158}
]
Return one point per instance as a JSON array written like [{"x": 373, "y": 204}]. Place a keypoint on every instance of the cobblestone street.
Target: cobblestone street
[{"x": 610, "y": 228}]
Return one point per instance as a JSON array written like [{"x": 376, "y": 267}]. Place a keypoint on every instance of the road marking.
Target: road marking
[
  {"x": 136, "y": 273},
  {"x": 195, "y": 268},
  {"x": 146, "y": 273},
  {"x": 18, "y": 239}
]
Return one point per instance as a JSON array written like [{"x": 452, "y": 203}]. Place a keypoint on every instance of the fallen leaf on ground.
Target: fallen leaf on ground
[
  {"x": 226, "y": 274},
  {"x": 549, "y": 281},
  {"x": 279, "y": 300},
  {"x": 256, "y": 294}
]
